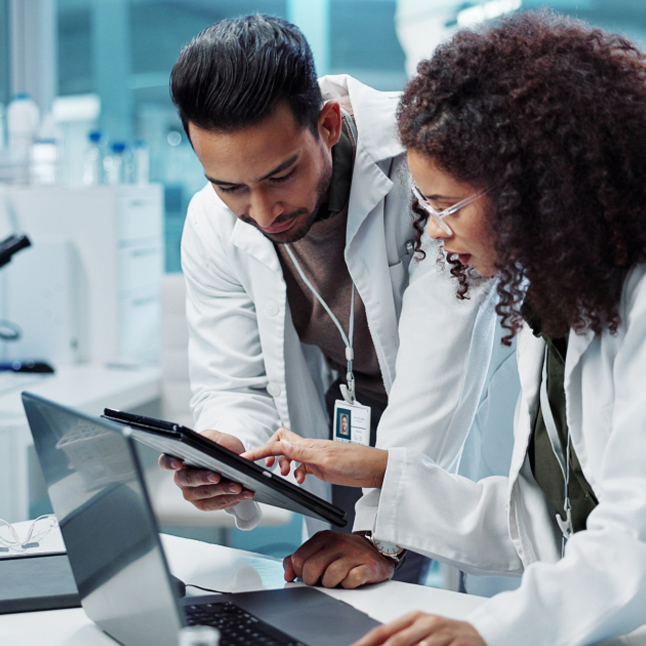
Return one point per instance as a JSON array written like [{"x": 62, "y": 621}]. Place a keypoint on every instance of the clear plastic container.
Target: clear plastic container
[
  {"x": 46, "y": 153},
  {"x": 115, "y": 164},
  {"x": 93, "y": 158},
  {"x": 141, "y": 162},
  {"x": 198, "y": 636},
  {"x": 23, "y": 118}
]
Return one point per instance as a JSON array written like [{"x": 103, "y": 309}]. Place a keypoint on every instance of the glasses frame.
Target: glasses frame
[
  {"x": 38, "y": 529},
  {"x": 439, "y": 216}
]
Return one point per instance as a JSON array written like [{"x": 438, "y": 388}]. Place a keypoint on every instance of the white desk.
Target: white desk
[
  {"x": 86, "y": 387},
  {"x": 225, "y": 568}
]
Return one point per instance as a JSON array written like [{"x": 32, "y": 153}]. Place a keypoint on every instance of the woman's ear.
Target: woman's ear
[{"x": 330, "y": 123}]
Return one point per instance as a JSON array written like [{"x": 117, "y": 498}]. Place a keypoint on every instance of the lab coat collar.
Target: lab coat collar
[
  {"x": 374, "y": 114},
  {"x": 248, "y": 239},
  {"x": 377, "y": 144}
]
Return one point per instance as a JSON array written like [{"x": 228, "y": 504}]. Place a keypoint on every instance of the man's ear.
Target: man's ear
[{"x": 330, "y": 123}]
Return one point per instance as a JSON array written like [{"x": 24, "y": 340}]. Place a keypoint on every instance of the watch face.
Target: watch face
[{"x": 387, "y": 548}]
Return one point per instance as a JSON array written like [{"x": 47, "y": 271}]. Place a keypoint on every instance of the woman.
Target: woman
[{"x": 527, "y": 145}]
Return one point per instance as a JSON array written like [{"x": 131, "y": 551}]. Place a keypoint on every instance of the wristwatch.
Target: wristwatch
[{"x": 389, "y": 550}]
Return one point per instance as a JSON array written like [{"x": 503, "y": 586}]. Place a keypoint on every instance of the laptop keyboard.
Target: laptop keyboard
[{"x": 237, "y": 627}]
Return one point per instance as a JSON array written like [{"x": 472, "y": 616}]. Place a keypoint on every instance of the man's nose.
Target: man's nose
[{"x": 264, "y": 209}]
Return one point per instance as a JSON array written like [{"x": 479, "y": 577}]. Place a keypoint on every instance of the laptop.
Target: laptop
[{"x": 96, "y": 486}]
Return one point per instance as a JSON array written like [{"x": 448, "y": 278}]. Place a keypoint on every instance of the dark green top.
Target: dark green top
[{"x": 544, "y": 464}]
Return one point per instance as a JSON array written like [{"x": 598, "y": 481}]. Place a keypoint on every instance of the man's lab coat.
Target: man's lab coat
[{"x": 249, "y": 372}]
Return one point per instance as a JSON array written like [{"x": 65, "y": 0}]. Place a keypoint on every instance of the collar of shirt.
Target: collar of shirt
[{"x": 342, "y": 166}]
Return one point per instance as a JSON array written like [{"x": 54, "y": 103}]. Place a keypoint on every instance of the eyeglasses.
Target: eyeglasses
[
  {"x": 438, "y": 215},
  {"x": 11, "y": 540}
]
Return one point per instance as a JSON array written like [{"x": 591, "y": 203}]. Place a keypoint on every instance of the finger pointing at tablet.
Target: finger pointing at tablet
[{"x": 352, "y": 465}]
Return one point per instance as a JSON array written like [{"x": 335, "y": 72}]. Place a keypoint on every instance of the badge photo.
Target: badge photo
[{"x": 351, "y": 423}]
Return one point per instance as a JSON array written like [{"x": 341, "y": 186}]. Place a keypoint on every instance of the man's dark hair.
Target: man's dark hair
[{"x": 234, "y": 73}]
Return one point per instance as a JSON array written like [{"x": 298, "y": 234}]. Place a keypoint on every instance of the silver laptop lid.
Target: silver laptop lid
[{"x": 94, "y": 482}]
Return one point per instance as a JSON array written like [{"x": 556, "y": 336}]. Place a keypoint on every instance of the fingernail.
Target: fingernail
[
  {"x": 234, "y": 488},
  {"x": 247, "y": 494},
  {"x": 212, "y": 478},
  {"x": 175, "y": 464}
]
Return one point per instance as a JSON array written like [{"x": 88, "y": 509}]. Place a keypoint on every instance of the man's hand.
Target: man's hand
[
  {"x": 421, "y": 629},
  {"x": 332, "y": 559},
  {"x": 206, "y": 490},
  {"x": 351, "y": 465}
]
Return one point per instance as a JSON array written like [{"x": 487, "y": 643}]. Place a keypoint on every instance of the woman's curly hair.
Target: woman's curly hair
[{"x": 550, "y": 116}]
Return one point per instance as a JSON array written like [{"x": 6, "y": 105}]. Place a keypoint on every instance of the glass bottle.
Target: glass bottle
[{"x": 93, "y": 158}]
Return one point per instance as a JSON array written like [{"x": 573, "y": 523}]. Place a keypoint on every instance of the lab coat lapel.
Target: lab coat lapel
[
  {"x": 572, "y": 382},
  {"x": 248, "y": 239},
  {"x": 374, "y": 186},
  {"x": 530, "y": 353}
]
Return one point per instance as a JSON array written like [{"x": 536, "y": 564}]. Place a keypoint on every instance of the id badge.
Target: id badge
[{"x": 351, "y": 423}]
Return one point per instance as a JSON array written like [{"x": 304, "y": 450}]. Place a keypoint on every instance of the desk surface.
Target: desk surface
[
  {"x": 225, "y": 568},
  {"x": 87, "y": 387}
]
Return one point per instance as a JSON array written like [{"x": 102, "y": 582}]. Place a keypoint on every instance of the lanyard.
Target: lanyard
[
  {"x": 346, "y": 391},
  {"x": 563, "y": 461}
]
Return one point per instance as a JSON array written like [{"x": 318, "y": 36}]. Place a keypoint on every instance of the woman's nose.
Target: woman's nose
[{"x": 435, "y": 230}]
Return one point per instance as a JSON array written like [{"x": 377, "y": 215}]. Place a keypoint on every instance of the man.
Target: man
[{"x": 309, "y": 190}]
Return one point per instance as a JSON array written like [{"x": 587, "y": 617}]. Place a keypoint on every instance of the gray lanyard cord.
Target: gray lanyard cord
[
  {"x": 563, "y": 461},
  {"x": 347, "y": 391}
]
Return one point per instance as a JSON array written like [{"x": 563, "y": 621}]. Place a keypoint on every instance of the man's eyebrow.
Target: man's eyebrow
[{"x": 281, "y": 167}]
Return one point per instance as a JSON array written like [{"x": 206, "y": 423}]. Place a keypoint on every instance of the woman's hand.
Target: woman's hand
[
  {"x": 421, "y": 629},
  {"x": 352, "y": 465}
]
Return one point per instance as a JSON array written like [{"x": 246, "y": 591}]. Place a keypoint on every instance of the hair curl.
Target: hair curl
[{"x": 550, "y": 116}]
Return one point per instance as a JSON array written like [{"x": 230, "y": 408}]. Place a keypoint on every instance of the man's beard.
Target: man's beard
[{"x": 300, "y": 231}]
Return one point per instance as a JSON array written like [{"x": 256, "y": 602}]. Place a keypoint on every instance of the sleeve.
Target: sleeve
[
  {"x": 445, "y": 516},
  {"x": 226, "y": 366},
  {"x": 598, "y": 589},
  {"x": 444, "y": 356}
]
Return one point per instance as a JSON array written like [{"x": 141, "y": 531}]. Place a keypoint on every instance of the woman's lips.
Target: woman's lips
[{"x": 464, "y": 258}]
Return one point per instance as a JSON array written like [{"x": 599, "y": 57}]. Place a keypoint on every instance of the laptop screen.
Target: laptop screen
[{"x": 94, "y": 482}]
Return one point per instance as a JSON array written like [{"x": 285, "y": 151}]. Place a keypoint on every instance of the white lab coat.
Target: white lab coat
[
  {"x": 456, "y": 389},
  {"x": 249, "y": 372},
  {"x": 496, "y": 525}
]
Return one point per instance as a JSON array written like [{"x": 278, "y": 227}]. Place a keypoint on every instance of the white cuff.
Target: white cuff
[{"x": 247, "y": 514}]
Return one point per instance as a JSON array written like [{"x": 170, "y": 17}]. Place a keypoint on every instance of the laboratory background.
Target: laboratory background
[{"x": 97, "y": 172}]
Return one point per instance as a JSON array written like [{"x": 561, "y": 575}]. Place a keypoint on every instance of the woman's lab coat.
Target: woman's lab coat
[{"x": 499, "y": 524}]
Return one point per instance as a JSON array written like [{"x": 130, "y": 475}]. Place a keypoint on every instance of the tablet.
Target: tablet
[{"x": 200, "y": 452}]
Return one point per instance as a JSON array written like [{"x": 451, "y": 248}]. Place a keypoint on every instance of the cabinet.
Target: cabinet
[{"x": 115, "y": 234}]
